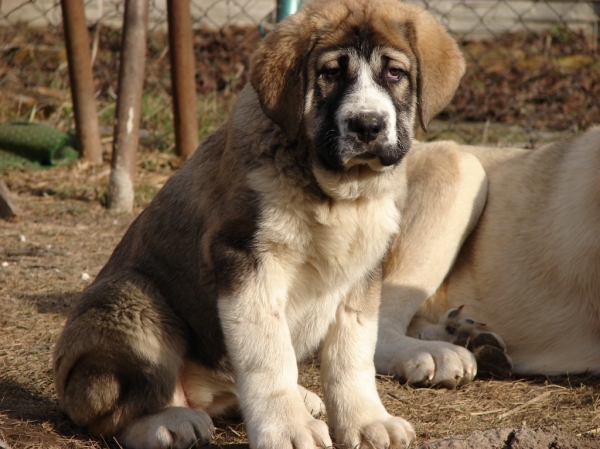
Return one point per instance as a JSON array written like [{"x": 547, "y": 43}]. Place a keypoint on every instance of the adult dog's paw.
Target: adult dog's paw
[
  {"x": 488, "y": 347},
  {"x": 427, "y": 363},
  {"x": 173, "y": 427},
  {"x": 295, "y": 433},
  {"x": 490, "y": 352},
  {"x": 389, "y": 432},
  {"x": 452, "y": 328}
]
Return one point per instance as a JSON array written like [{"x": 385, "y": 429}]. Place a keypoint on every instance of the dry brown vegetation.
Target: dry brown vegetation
[{"x": 538, "y": 81}]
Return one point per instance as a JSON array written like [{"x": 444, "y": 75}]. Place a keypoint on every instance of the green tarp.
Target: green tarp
[{"x": 37, "y": 142}]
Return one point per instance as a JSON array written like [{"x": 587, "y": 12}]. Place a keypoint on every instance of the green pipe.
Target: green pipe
[{"x": 287, "y": 8}]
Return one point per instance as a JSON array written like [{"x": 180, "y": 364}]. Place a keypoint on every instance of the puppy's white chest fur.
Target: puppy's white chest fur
[{"x": 324, "y": 250}]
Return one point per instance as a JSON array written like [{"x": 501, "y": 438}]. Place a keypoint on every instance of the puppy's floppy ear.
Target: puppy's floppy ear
[
  {"x": 278, "y": 73},
  {"x": 440, "y": 65}
]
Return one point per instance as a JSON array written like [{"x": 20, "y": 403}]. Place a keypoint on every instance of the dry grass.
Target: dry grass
[{"x": 67, "y": 233}]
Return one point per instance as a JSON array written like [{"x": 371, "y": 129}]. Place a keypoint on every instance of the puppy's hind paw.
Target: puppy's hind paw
[
  {"x": 173, "y": 427},
  {"x": 313, "y": 403}
]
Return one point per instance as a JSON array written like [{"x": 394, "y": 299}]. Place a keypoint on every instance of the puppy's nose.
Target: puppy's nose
[{"x": 367, "y": 126}]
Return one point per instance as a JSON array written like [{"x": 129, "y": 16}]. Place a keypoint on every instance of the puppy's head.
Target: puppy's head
[{"x": 353, "y": 76}]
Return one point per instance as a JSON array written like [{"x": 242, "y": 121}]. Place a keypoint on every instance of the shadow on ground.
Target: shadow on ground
[
  {"x": 59, "y": 303},
  {"x": 23, "y": 411}
]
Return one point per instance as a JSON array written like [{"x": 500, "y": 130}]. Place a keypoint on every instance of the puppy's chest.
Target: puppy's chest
[
  {"x": 327, "y": 250},
  {"x": 347, "y": 239},
  {"x": 332, "y": 243}
]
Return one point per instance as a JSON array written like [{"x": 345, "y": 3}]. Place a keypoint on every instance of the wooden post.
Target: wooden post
[
  {"x": 82, "y": 83},
  {"x": 129, "y": 105},
  {"x": 181, "y": 49},
  {"x": 8, "y": 206}
]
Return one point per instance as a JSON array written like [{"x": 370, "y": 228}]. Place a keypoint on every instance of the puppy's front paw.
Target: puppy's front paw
[
  {"x": 173, "y": 427},
  {"x": 388, "y": 432},
  {"x": 294, "y": 433}
]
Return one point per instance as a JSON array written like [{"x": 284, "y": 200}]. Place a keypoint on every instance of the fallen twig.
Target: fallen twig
[
  {"x": 397, "y": 397},
  {"x": 524, "y": 405},
  {"x": 487, "y": 412},
  {"x": 595, "y": 431}
]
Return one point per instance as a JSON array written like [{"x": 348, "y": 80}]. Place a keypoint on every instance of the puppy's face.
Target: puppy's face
[
  {"x": 353, "y": 76},
  {"x": 360, "y": 106}
]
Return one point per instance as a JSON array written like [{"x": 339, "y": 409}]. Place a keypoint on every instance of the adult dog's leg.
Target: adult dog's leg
[
  {"x": 446, "y": 194},
  {"x": 355, "y": 412},
  {"x": 117, "y": 364}
]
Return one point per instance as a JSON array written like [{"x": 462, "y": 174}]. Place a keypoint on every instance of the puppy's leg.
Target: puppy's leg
[
  {"x": 446, "y": 193},
  {"x": 202, "y": 389},
  {"x": 258, "y": 342},
  {"x": 355, "y": 412},
  {"x": 116, "y": 368}
]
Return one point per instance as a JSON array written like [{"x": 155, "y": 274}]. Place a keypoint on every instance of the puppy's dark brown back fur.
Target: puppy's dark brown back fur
[{"x": 153, "y": 305}]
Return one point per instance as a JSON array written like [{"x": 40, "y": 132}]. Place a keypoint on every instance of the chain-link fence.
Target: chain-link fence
[
  {"x": 533, "y": 66},
  {"x": 532, "y": 69},
  {"x": 212, "y": 13}
]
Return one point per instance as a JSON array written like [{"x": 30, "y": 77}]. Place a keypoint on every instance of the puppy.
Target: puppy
[{"x": 266, "y": 245}]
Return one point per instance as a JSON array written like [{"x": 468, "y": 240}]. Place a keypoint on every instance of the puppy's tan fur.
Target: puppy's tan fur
[
  {"x": 256, "y": 252},
  {"x": 511, "y": 234}
]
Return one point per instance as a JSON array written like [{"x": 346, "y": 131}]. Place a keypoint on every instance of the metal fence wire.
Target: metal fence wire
[
  {"x": 533, "y": 65},
  {"x": 211, "y": 13}
]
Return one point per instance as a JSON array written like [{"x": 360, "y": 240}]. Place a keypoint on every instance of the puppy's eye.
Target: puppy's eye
[
  {"x": 330, "y": 73},
  {"x": 394, "y": 74}
]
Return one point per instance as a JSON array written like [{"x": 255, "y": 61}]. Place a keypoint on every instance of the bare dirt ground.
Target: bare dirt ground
[{"x": 65, "y": 236}]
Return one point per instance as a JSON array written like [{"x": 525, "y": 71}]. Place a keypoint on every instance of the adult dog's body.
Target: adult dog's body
[
  {"x": 511, "y": 234},
  {"x": 267, "y": 244}
]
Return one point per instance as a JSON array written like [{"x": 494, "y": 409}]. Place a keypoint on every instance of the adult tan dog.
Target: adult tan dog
[
  {"x": 267, "y": 244},
  {"x": 512, "y": 235}
]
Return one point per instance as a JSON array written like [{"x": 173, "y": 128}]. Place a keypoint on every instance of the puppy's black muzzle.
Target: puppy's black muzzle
[
  {"x": 365, "y": 139},
  {"x": 368, "y": 132},
  {"x": 366, "y": 127}
]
